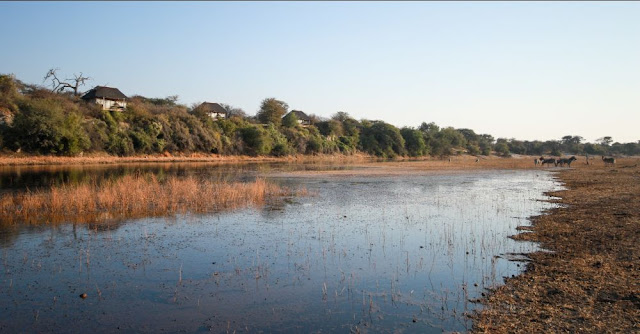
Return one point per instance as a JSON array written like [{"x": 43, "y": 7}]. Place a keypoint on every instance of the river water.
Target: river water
[{"x": 394, "y": 253}]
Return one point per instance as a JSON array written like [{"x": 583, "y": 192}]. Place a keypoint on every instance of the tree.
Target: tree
[
  {"x": 59, "y": 86},
  {"x": 414, "y": 142},
  {"x": 341, "y": 116},
  {"x": 502, "y": 148},
  {"x": 290, "y": 121},
  {"x": 429, "y": 128},
  {"x": 43, "y": 126},
  {"x": 8, "y": 92},
  {"x": 382, "y": 139},
  {"x": 572, "y": 140},
  {"x": 257, "y": 140},
  {"x": 271, "y": 111},
  {"x": 605, "y": 141},
  {"x": 233, "y": 111}
]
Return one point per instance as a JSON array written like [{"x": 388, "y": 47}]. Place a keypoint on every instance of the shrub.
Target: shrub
[
  {"x": 256, "y": 139},
  {"x": 42, "y": 126}
]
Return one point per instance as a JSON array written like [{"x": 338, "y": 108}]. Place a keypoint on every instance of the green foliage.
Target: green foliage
[
  {"x": 43, "y": 126},
  {"x": 594, "y": 149},
  {"x": 605, "y": 141},
  {"x": 414, "y": 142},
  {"x": 330, "y": 128},
  {"x": 120, "y": 144},
  {"x": 280, "y": 146},
  {"x": 290, "y": 120},
  {"x": 502, "y": 148},
  {"x": 8, "y": 93},
  {"x": 348, "y": 145},
  {"x": 572, "y": 144},
  {"x": 314, "y": 145},
  {"x": 271, "y": 111},
  {"x": 485, "y": 148},
  {"x": 36, "y": 120},
  {"x": 473, "y": 149},
  {"x": 516, "y": 147},
  {"x": 297, "y": 139},
  {"x": 256, "y": 139},
  {"x": 382, "y": 139},
  {"x": 74, "y": 138}
]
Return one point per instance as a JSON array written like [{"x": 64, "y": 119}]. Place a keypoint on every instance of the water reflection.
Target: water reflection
[
  {"x": 383, "y": 254},
  {"x": 15, "y": 178}
]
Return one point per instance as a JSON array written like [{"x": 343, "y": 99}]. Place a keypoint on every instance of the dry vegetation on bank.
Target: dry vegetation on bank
[
  {"x": 590, "y": 281},
  {"x": 133, "y": 196},
  {"x": 99, "y": 159}
]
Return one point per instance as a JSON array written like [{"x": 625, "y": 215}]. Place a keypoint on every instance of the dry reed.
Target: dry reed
[
  {"x": 102, "y": 159},
  {"x": 134, "y": 196}
]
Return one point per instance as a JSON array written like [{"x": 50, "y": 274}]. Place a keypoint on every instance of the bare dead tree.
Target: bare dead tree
[{"x": 59, "y": 86}]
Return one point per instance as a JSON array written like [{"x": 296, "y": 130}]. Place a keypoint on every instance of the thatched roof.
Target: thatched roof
[
  {"x": 212, "y": 107},
  {"x": 301, "y": 115},
  {"x": 102, "y": 92}
]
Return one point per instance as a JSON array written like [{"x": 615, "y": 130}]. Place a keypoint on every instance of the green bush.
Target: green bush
[
  {"x": 290, "y": 120},
  {"x": 42, "y": 126},
  {"x": 120, "y": 144},
  {"x": 414, "y": 142},
  {"x": 256, "y": 139},
  {"x": 382, "y": 139}
]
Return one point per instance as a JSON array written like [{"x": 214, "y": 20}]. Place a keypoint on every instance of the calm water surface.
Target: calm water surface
[{"x": 369, "y": 254}]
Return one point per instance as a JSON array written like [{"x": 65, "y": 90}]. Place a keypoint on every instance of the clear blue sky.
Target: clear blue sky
[{"x": 524, "y": 70}]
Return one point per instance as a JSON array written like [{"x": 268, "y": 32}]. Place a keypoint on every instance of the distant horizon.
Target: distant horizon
[{"x": 522, "y": 70}]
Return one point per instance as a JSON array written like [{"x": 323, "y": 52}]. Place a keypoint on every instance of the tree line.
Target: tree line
[{"x": 37, "y": 120}]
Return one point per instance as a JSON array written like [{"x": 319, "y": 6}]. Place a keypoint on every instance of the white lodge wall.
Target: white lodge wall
[{"x": 110, "y": 104}]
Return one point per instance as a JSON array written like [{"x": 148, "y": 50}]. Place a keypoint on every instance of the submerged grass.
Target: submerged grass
[{"x": 134, "y": 196}]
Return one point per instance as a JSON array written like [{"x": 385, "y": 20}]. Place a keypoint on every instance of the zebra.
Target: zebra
[
  {"x": 561, "y": 162},
  {"x": 550, "y": 161},
  {"x": 608, "y": 161}
]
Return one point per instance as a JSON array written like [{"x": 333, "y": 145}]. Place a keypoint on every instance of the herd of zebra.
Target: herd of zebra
[{"x": 567, "y": 161}]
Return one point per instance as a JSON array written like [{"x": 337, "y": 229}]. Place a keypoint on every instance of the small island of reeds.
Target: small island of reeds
[{"x": 134, "y": 196}]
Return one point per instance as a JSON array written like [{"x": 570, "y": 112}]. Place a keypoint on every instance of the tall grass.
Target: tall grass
[{"x": 134, "y": 196}]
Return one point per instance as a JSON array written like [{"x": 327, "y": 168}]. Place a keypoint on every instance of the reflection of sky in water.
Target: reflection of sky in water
[{"x": 373, "y": 253}]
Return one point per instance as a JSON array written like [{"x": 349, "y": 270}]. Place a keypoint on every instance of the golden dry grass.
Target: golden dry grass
[
  {"x": 95, "y": 159},
  {"x": 590, "y": 281},
  {"x": 134, "y": 196}
]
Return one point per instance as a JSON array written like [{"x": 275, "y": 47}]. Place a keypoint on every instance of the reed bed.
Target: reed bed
[
  {"x": 135, "y": 196},
  {"x": 101, "y": 159}
]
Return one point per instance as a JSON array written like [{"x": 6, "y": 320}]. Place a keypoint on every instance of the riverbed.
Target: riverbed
[{"x": 404, "y": 252}]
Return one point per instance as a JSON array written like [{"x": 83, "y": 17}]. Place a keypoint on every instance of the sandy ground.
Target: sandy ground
[{"x": 590, "y": 281}]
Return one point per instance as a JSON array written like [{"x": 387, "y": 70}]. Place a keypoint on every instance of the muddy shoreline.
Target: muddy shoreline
[{"x": 590, "y": 279}]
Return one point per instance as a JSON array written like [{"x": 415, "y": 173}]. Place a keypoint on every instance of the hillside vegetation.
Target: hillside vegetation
[{"x": 36, "y": 120}]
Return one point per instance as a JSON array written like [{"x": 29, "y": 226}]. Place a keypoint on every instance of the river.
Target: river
[{"x": 361, "y": 253}]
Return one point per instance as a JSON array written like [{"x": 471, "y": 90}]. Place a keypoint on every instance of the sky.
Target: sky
[{"x": 523, "y": 70}]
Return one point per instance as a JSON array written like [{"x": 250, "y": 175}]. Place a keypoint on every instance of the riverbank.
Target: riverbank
[
  {"x": 590, "y": 279},
  {"x": 101, "y": 159},
  {"x": 420, "y": 163}
]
